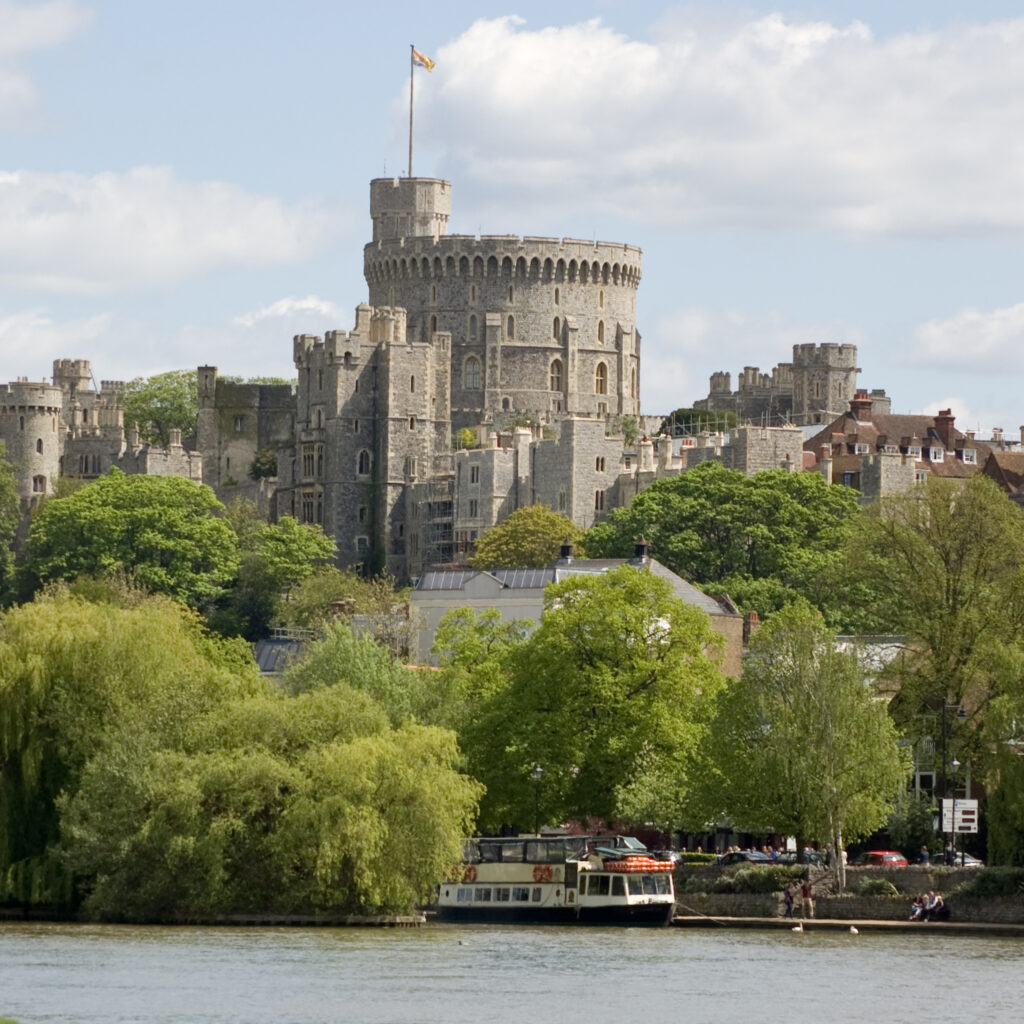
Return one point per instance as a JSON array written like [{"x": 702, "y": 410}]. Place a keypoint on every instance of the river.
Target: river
[{"x": 76, "y": 974}]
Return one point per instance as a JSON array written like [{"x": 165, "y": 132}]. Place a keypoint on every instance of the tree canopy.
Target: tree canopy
[
  {"x": 164, "y": 531},
  {"x": 757, "y": 538},
  {"x": 529, "y": 538},
  {"x": 10, "y": 514},
  {"x": 799, "y": 745},
  {"x": 603, "y": 695},
  {"x": 161, "y": 403},
  {"x": 150, "y": 774}
]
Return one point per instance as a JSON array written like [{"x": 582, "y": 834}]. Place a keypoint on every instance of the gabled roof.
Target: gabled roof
[
  {"x": 448, "y": 580},
  {"x": 1006, "y": 469}
]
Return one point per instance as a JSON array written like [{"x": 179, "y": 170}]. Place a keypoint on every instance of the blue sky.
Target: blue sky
[{"x": 188, "y": 182}]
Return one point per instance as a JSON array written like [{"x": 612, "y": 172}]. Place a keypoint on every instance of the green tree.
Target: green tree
[
  {"x": 757, "y": 538},
  {"x": 464, "y": 438},
  {"x": 273, "y": 558},
  {"x": 799, "y": 744},
  {"x": 164, "y": 531},
  {"x": 264, "y": 464},
  {"x": 945, "y": 565},
  {"x": 162, "y": 402},
  {"x": 530, "y": 537},
  {"x": 10, "y": 515},
  {"x": 688, "y": 420},
  {"x": 603, "y": 695}
]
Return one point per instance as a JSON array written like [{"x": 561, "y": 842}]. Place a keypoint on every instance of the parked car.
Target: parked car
[
  {"x": 881, "y": 858},
  {"x": 746, "y": 857},
  {"x": 965, "y": 860}
]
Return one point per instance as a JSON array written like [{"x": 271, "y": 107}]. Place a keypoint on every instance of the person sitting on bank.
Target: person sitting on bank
[
  {"x": 935, "y": 908},
  {"x": 917, "y": 908}
]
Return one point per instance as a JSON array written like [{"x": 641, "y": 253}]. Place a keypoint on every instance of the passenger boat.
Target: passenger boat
[{"x": 588, "y": 879}]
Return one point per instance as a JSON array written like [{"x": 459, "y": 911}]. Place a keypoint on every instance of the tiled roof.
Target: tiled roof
[{"x": 537, "y": 579}]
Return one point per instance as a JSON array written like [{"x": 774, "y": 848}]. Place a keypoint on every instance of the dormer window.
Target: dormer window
[
  {"x": 970, "y": 456},
  {"x": 861, "y": 448},
  {"x": 935, "y": 454},
  {"x": 915, "y": 450}
]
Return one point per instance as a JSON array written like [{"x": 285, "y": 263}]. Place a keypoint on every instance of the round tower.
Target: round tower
[
  {"x": 30, "y": 427},
  {"x": 539, "y": 326}
]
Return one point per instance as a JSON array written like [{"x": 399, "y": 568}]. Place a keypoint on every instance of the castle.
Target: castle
[
  {"x": 529, "y": 345},
  {"x": 72, "y": 428}
]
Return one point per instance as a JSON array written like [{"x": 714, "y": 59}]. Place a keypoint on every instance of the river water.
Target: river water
[{"x": 447, "y": 973}]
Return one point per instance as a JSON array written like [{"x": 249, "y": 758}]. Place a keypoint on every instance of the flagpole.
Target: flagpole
[{"x": 412, "y": 68}]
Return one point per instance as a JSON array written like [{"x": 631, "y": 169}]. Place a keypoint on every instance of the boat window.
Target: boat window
[
  {"x": 636, "y": 885},
  {"x": 649, "y": 887},
  {"x": 521, "y": 894},
  {"x": 602, "y": 884},
  {"x": 513, "y": 852},
  {"x": 664, "y": 884},
  {"x": 482, "y": 896},
  {"x": 465, "y": 895},
  {"x": 490, "y": 852},
  {"x": 618, "y": 886},
  {"x": 541, "y": 851},
  {"x": 632, "y": 843},
  {"x": 470, "y": 852},
  {"x": 583, "y": 885},
  {"x": 536, "y": 894},
  {"x": 501, "y": 895}
]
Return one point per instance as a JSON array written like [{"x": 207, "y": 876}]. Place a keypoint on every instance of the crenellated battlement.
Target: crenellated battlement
[
  {"x": 827, "y": 355},
  {"x": 510, "y": 257}
]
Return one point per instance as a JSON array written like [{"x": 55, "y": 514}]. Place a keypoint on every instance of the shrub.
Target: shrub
[
  {"x": 993, "y": 882},
  {"x": 752, "y": 880},
  {"x": 698, "y": 858},
  {"x": 877, "y": 887}
]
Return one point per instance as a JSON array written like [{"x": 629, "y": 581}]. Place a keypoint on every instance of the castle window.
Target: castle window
[
  {"x": 319, "y": 460},
  {"x": 600, "y": 332},
  {"x": 401, "y": 529},
  {"x": 433, "y": 323},
  {"x": 602, "y": 408},
  {"x": 433, "y": 293},
  {"x": 505, "y": 405},
  {"x": 474, "y": 508},
  {"x": 239, "y": 424},
  {"x": 320, "y": 379},
  {"x": 362, "y": 544},
  {"x": 362, "y": 513},
  {"x": 363, "y": 463},
  {"x": 561, "y": 501},
  {"x": 817, "y": 389},
  {"x": 599, "y": 464},
  {"x": 414, "y": 544},
  {"x": 307, "y": 506},
  {"x": 320, "y": 508},
  {"x": 412, "y": 422},
  {"x": 21, "y": 422},
  {"x": 556, "y": 328},
  {"x": 598, "y": 501},
  {"x": 39, "y": 446},
  {"x": 510, "y": 327},
  {"x": 412, "y": 384},
  {"x": 632, "y": 383},
  {"x": 471, "y": 374},
  {"x": 472, "y": 327},
  {"x": 474, "y": 474},
  {"x": 600, "y": 299},
  {"x": 472, "y": 293},
  {"x": 319, "y": 418},
  {"x": 510, "y": 293},
  {"x": 601, "y": 380},
  {"x": 85, "y": 415},
  {"x": 307, "y": 460},
  {"x": 556, "y": 296},
  {"x": 355, "y": 426},
  {"x": 556, "y": 375},
  {"x": 39, "y": 484}
]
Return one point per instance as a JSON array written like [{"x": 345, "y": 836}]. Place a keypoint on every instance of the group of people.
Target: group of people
[
  {"x": 806, "y": 898},
  {"x": 928, "y": 908}
]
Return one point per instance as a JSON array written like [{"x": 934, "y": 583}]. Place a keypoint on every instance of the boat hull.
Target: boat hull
[{"x": 648, "y": 914}]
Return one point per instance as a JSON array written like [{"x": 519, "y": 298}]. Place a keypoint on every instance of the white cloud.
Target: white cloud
[
  {"x": 771, "y": 122},
  {"x": 311, "y": 307},
  {"x": 32, "y": 335},
  {"x": 23, "y": 29},
  {"x": 976, "y": 341},
  {"x": 68, "y": 232}
]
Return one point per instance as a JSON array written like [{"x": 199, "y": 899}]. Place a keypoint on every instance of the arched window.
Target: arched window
[
  {"x": 556, "y": 296},
  {"x": 556, "y": 328},
  {"x": 510, "y": 327},
  {"x": 505, "y": 405},
  {"x": 433, "y": 324},
  {"x": 39, "y": 445},
  {"x": 363, "y": 463},
  {"x": 600, "y": 332},
  {"x": 556, "y": 375},
  {"x": 600, "y": 298},
  {"x": 471, "y": 374},
  {"x": 412, "y": 384},
  {"x": 601, "y": 380},
  {"x": 412, "y": 422},
  {"x": 472, "y": 327},
  {"x": 511, "y": 293}
]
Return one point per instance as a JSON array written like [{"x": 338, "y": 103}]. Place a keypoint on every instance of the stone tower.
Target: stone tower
[
  {"x": 540, "y": 327},
  {"x": 824, "y": 381},
  {"x": 32, "y": 429}
]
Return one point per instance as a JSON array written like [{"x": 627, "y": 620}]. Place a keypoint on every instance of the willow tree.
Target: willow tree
[{"x": 799, "y": 743}]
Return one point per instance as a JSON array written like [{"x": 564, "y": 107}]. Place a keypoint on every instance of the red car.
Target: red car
[{"x": 881, "y": 858}]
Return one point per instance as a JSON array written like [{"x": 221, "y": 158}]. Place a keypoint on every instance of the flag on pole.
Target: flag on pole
[{"x": 421, "y": 60}]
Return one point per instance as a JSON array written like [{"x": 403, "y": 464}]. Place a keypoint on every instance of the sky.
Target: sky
[{"x": 188, "y": 182}]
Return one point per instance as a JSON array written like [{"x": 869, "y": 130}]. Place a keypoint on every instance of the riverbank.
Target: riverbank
[
  {"x": 834, "y": 924},
  {"x": 245, "y": 920}
]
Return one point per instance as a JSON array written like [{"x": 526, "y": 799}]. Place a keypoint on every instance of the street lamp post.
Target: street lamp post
[
  {"x": 955, "y": 765},
  {"x": 537, "y": 774}
]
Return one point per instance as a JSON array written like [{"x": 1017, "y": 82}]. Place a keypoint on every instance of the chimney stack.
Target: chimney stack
[
  {"x": 860, "y": 406},
  {"x": 944, "y": 428}
]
